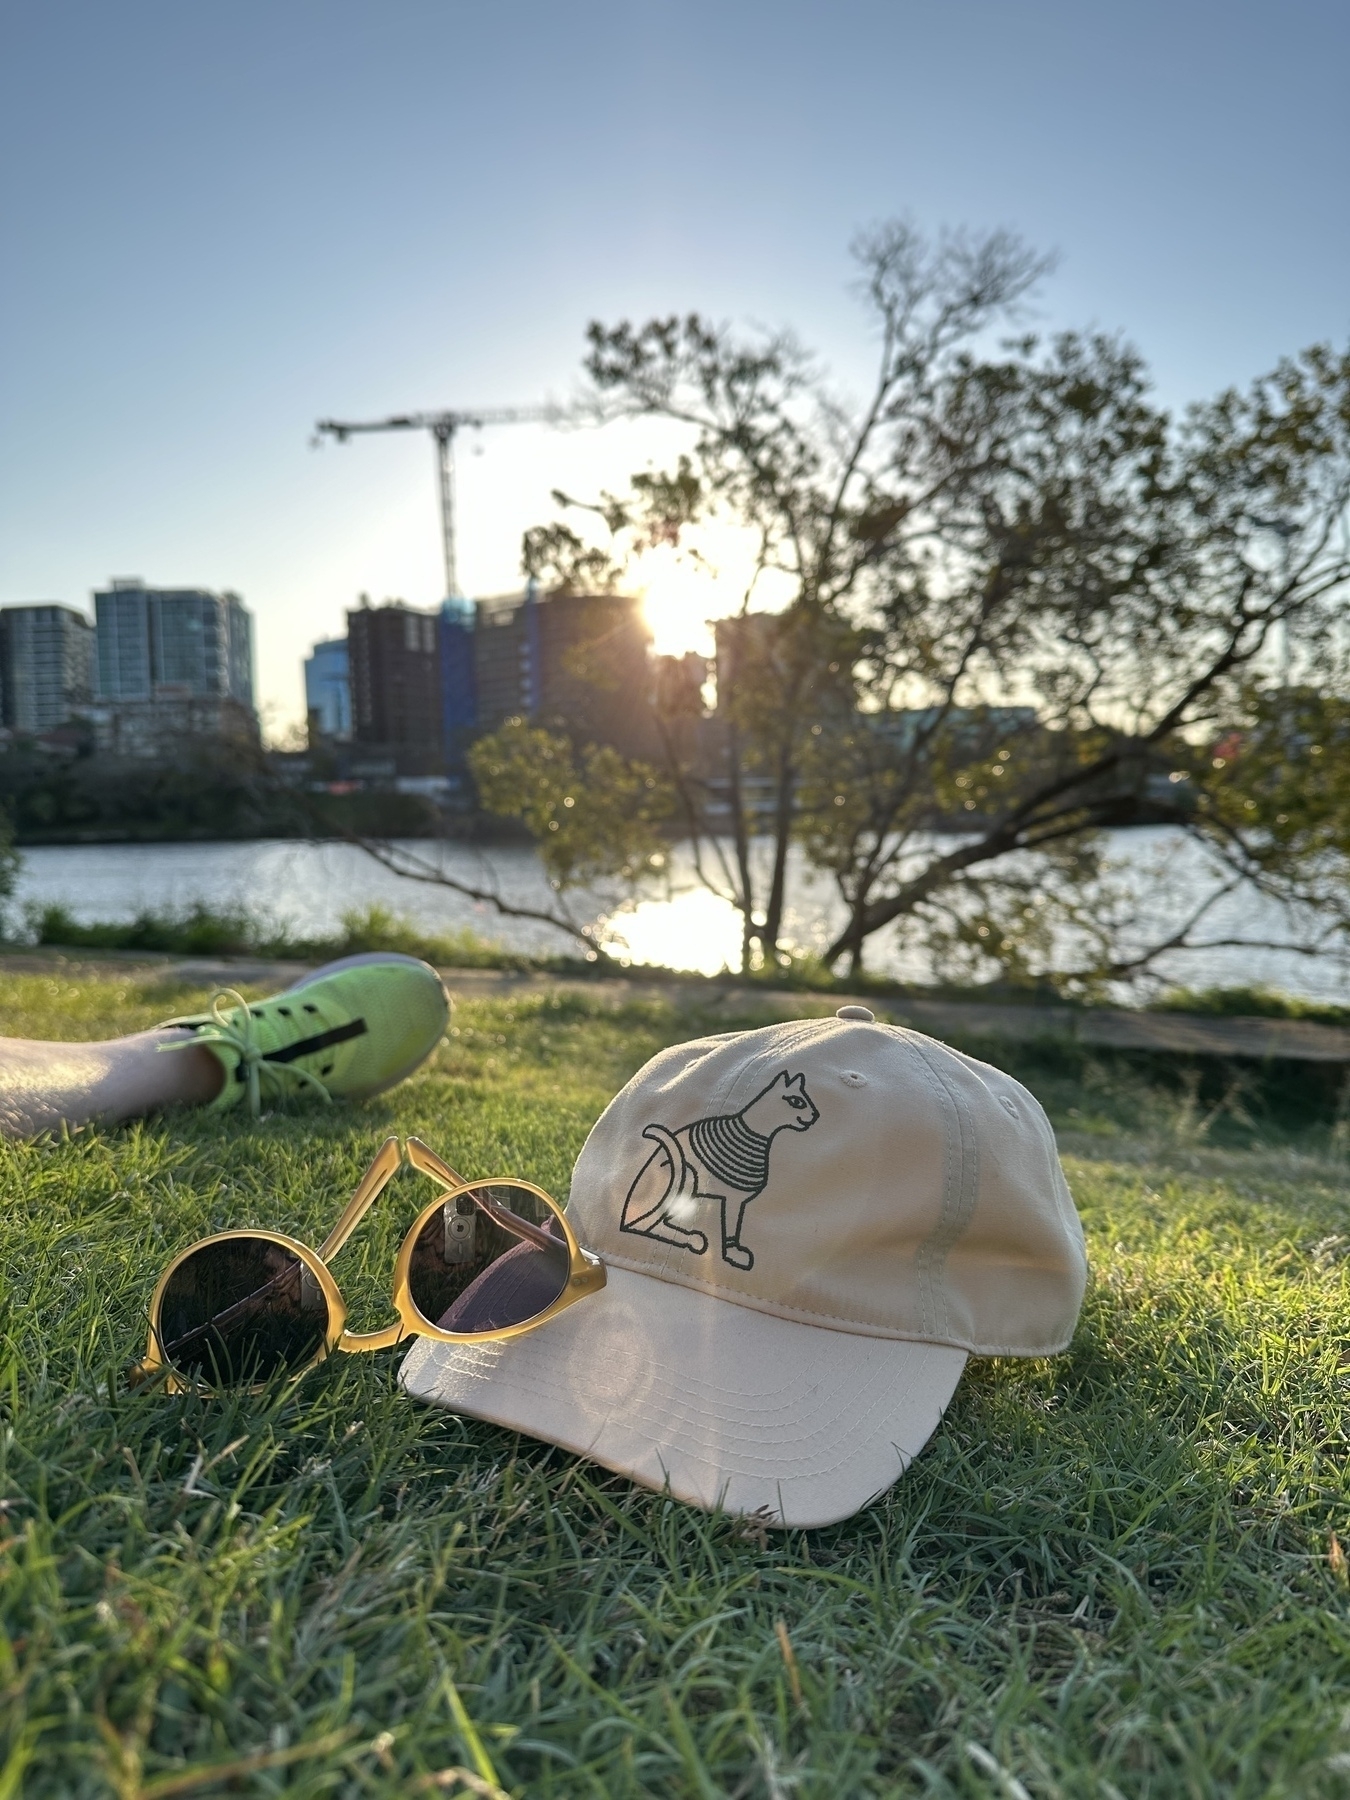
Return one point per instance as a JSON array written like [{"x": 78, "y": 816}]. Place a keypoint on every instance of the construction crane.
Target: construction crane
[{"x": 443, "y": 427}]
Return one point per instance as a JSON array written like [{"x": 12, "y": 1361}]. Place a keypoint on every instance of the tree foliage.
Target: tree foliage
[
  {"x": 1026, "y": 602},
  {"x": 10, "y": 859},
  {"x": 593, "y": 813}
]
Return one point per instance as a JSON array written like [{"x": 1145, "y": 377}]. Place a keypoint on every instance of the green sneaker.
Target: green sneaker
[{"x": 349, "y": 1030}]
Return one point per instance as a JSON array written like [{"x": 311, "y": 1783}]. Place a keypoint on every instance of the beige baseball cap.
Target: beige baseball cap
[{"x": 807, "y": 1229}]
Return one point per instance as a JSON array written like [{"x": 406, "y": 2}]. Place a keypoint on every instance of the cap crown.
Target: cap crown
[{"x": 845, "y": 1173}]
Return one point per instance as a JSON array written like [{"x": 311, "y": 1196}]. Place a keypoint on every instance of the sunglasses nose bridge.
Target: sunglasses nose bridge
[
  {"x": 394, "y": 1154},
  {"x": 372, "y": 1340}
]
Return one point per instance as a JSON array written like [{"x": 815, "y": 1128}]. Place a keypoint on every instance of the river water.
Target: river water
[{"x": 307, "y": 887}]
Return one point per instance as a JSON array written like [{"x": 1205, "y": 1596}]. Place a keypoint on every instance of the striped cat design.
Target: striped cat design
[{"x": 724, "y": 1160}]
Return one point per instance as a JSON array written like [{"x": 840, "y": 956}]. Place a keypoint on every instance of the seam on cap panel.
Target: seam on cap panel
[
  {"x": 959, "y": 1196},
  {"x": 924, "y": 1264}
]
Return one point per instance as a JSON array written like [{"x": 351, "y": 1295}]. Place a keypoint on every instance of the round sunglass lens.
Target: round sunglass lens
[
  {"x": 241, "y": 1310},
  {"x": 493, "y": 1257}
]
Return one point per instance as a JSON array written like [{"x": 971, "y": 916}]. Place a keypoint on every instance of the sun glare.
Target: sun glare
[
  {"x": 683, "y": 592},
  {"x": 679, "y": 601}
]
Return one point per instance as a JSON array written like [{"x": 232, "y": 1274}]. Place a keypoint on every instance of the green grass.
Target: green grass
[{"x": 1108, "y": 1574}]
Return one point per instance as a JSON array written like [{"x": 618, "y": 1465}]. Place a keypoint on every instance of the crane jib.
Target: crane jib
[{"x": 443, "y": 426}]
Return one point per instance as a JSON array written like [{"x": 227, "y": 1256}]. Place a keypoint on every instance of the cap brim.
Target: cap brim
[{"x": 721, "y": 1405}]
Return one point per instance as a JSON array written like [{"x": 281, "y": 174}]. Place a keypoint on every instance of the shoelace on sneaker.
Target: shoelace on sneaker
[{"x": 242, "y": 1039}]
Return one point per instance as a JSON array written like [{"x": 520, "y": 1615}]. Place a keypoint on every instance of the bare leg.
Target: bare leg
[{"x": 44, "y": 1086}]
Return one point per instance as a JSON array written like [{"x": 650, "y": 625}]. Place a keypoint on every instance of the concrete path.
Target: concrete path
[
  {"x": 1193, "y": 1034},
  {"x": 1189, "y": 1034}
]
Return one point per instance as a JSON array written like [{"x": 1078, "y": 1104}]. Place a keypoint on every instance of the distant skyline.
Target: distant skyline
[{"x": 221, "y": 225}]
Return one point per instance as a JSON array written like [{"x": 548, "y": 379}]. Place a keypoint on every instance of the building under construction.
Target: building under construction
[
  {"x": 581, "y": 661},
  {"x": 394, "y": 672},
  {"x": 424, "y": 684}
]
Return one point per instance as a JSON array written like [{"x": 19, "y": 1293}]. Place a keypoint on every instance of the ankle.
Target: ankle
[{"x": 178, "y": 1072}]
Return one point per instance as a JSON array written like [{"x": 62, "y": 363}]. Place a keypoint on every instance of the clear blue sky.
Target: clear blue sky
[{"x": 223, "y": 222}]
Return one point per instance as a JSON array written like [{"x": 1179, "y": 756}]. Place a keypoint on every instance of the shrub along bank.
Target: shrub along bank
[{"x": 202, "y": 930}]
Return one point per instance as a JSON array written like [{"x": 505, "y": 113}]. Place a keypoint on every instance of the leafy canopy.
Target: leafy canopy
[{"x": 1026, "y": 602}]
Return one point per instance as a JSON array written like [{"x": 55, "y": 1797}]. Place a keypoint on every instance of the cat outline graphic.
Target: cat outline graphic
[{"x": 724, "y": 1159}]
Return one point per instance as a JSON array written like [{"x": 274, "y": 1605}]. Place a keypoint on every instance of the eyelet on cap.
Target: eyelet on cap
[{"x": 857, "y": 1012}]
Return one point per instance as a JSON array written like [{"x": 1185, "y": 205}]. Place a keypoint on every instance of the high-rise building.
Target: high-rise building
[
  {"x": 172, "y": 642},
  {"x": 746, "y": 643},
  {"x": 422, "y": 684},
  {"x": 577, "y": 660},
  {"x": 328, "y": 693},
  {"x": 46, "y": 666},
  {"x": 239, "y": 638},
  {"x": 122, "y": 624},
  {"x": 506, "y": 658},
  {"x": 394, "y": 669}
]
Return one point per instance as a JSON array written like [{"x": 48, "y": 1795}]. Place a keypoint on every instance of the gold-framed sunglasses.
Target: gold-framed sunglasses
[{"x": 484, "y": 1260}]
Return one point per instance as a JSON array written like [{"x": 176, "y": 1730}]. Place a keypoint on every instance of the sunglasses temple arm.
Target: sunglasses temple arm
[
  {"x": 372, "y": 1184},
  {"x": 521, "y": 1228},
  {"x": 425, "y": 1160}
]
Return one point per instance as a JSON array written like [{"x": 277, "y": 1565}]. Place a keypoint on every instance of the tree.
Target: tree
[
  {"x": 772, "y": 447},
  {"x": 1130, "y": 577},
  {"x": 1025, "y": 604},
  {"x": 592, "y": 812},
  {"x": 10, "y": 860}
]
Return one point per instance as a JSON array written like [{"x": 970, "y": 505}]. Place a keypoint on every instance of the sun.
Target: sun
[
  {"x": 679, "y": 601},
  {"x": 684, "y": 590}
]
